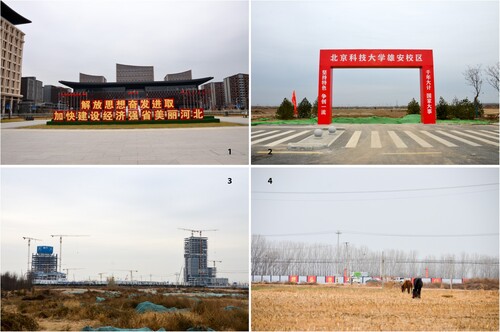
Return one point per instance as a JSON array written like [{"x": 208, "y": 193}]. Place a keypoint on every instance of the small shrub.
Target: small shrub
[
  {"x": 442, "y": 109},
  {"x": 18, "y": 322},
  {"x": 304, "y": 109},
  {"x": 463, "y": 109},
  {"x": 285, "y": 111},
  {"x": 413, "y": 107}
]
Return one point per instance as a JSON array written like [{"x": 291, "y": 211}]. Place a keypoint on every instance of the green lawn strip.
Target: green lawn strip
[
  {"x": 412, "y": 118},
  {"x": 138, "y": 126}
]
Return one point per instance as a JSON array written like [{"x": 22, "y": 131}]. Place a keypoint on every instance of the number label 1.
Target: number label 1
[{"x": 229, "y": 150}]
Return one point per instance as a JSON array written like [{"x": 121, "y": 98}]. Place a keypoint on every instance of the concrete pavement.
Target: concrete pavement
[
  {"x": 164, "y": 146},
  {"x": 368, "y": 144}
]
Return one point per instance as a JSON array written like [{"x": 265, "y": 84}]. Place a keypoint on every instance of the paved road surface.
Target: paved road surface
[
  {"x": 381, "y": 144},
  {"x": 167, "y": 146}
]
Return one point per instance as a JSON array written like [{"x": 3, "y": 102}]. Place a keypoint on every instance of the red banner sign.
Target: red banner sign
[
  {"x": 157, "y": 109},
  {"x": 293, "y": 278},
  {"x": 383, "y": 58},
  {"x": 311, "y": 279}
]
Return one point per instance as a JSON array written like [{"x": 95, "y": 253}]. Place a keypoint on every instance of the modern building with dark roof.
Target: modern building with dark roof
[
  {"x": 185, "y": 75},
  {"x": 86, "y": 78},
  {"x": 12, "y": 56},
  {"x": 129, "y": 73},
  {"x": 185, "y": 93}
]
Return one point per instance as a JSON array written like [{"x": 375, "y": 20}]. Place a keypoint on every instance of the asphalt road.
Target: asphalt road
[
  {"x": 164, "y": 146},
  {"x": 405, "y": 144}
]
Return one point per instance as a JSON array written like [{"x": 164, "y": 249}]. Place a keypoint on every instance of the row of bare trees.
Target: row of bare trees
[{"x": 281, "y": 258}]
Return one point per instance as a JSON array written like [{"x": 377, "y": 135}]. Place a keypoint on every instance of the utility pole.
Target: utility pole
[
  {"x": 338, "y": 250},
  {"x": 382, "y": 269},
  {"x": 100, "y": 275},
  {"x": 347, "y": 260}
]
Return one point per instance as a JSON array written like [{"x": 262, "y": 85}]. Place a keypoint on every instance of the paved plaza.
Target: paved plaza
[
  {"x": 402, "y": 144},
  {"x": 161, "y": 146}
]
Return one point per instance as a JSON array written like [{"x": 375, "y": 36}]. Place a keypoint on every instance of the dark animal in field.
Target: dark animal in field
[
  {"x": 407, "y": 285},
  {"x": 417, "y": 287}
]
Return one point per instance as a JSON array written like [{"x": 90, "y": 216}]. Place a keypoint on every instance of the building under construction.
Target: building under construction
[
  {"x": 196, "y": 270},
  {"x": 44, "y": 264}
]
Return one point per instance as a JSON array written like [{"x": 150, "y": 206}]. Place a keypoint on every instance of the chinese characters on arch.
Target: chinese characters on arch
[
  {"x": 381, "y": 58},
  {"x": 157, "y": 109}
]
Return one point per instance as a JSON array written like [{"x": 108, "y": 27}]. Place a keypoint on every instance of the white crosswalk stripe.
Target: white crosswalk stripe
[
  {"x": 448, "y": 138},
  {"x": 353, "y": 141},
  {"x": 476, "y": 138},
  {"x": 376, "y": 140},
  {"x": 439, "y": 139},
  {"x": 287, "y": 138},
  {"x": 397, "y": 141},
  {"x": 271, "y": 137},
  {"x": 463, "y": 140},
  {"x": 264, "y": 134},
  {"x": 417, "y": 139},
  {"x": 483, "y": 133}
]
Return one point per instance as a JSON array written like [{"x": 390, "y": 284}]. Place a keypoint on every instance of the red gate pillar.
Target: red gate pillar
[
  {"x": 324, "y": 94},
  {"x": 427, "y": 97}
]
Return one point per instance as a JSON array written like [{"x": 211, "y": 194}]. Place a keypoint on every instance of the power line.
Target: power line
[
  {"x": 383, "y": 234},
  {"x": 373, "y": 191}
]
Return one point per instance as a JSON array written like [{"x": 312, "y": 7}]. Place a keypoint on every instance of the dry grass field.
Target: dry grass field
[
  {"x": 321, "y": 307},
  {"x": 60, "y": 310}
]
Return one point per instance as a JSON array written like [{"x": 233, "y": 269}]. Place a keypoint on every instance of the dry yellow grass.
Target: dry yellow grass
[{"x": 292, "y": 307}]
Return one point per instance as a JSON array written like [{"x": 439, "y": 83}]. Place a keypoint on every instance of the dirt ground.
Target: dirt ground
[
  {"x": 72, "y": 309},
  {"x": 270, "y": 112},
  {"x": 321, "y": 307}
]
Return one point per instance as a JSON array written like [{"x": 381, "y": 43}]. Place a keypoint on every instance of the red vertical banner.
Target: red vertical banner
[
  {"x": 324, "y": 96},
  {"x": 294, "y": 102},
  {"x": 427, "y": 272},
  {"x": 345, "y": 277},
  {"x": 293, "y": 278},
  {"x": 427, "y": 97}
]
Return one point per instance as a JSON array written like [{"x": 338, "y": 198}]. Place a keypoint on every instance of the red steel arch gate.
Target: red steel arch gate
[{"x": 422, "y": 59}]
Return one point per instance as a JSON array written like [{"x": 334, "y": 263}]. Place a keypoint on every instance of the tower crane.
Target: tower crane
[
  {"x": 72, "y": 268},
  {"x": 215, "y": 262},
  {"x": 199, "y": 231},
  {"x": 60, "y": 246},
  {"x": 131, "y": 276},
  {"x": 29, "y": 249},
  {"x": 100, "y": 275}
]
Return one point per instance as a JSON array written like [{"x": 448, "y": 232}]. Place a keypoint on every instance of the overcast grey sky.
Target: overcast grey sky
[
  {"x": 287, "y": 36},
  {"x": 131, "y": 214},
  {"x": 388, "y": 207},
  {"x": 72, "y": 36}
]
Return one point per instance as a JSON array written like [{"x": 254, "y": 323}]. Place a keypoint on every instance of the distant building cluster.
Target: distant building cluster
[{"x": 28, "y": 94}]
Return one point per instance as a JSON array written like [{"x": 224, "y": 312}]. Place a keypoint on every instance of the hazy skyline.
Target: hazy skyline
[
  {"x": 132, "y": 215},
  {"x": 309, "y": 205},
  {"x": 70, "y": 37},
  {"x": 287, "y": 37}
]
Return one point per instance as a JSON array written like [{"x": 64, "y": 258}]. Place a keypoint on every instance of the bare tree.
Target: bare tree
[
  {"x": 492, "y": 75},
  {"x": 473, "y": 78}
]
